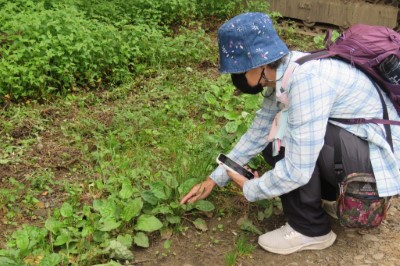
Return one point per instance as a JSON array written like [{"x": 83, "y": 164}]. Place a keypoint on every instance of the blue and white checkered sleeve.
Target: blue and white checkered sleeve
[{"x": 252, "y": 142}]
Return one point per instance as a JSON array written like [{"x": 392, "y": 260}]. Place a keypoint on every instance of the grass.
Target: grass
[{"x": 241, "y": 249}]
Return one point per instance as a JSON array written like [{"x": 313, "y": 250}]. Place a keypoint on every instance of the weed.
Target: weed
[
  {"x": 242, "y": 249},
  {"x": 41, "y": 180}
]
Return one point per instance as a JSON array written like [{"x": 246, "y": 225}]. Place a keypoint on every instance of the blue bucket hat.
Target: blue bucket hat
[{"x": 247, "y": 41}]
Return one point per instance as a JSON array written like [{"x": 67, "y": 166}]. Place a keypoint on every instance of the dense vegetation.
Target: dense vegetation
[
  {"x": 54, "y": 47},
  {"x": 112, "y": 110}
]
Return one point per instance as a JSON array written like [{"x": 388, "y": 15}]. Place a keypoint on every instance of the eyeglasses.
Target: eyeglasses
[{"x": 262, "y": 76}]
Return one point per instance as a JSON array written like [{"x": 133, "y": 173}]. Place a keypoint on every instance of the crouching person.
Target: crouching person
[{"x": 295, "y": 134}]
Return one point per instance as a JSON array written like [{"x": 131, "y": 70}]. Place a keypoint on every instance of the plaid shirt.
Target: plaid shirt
[{"x": 318, "y": 89}]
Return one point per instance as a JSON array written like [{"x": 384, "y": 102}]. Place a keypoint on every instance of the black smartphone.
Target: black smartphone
[{"x": 233, "y": 166}]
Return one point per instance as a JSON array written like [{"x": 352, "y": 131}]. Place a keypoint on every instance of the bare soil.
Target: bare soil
[{"x": 379, "y": 246}]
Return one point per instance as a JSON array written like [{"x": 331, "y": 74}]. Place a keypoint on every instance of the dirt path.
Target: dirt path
[{"x": 352, "y": 247}]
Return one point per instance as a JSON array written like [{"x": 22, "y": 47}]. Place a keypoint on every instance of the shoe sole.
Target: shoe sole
[{"x": 311, "y": 246}]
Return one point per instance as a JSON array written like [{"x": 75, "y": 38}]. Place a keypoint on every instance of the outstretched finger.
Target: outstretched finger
[
  {"x": 188, "y": 197},
  {"x": 184, "y": 199}
]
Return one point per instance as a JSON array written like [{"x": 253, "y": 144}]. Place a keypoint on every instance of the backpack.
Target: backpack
[
  {"x": 375, "y": 50},
  {"x": 369, "y": 48}
]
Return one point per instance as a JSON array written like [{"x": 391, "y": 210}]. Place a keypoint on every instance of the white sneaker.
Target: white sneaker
[
  {"x": 286, "y": 240},
  {"x": 330, "y": 208}
]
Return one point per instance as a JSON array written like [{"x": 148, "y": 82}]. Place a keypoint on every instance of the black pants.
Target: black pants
[{"x": 302, "y": 206}]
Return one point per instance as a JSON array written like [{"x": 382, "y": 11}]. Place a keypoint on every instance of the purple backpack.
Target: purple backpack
[{"x": 366, "y": 47}]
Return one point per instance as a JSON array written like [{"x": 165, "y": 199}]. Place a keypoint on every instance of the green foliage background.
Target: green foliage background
[{"x": 55, "y": 47}]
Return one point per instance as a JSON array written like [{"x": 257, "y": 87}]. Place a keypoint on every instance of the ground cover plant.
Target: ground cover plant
[{"x": 111, "y": 112}]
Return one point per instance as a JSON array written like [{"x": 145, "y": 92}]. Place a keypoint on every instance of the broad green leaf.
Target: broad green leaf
[
  {"x": 210, "y": 98},
  {"x": 132, "y": 209},
  {"x": 111, "y": 263},
  {"x": 162, "y": 209},
  {"x": 34, "y": 234},
  {"x": 126, "y": 190},
  {"x": 171, "y": 181},
  {"x": 246, "y": 225},
  {"x": 268, "y": 211},
  {"x": 260, "y": 216},
  {"x": 253, "y": 102},
  {"x": 53, "y": 259},
  {"x": 186, "y": 186},
  {"x": 200, "y": 224},
  {"x": 244, "y": 114},
  {"x": 119, "y": 251},
  {"x": 242, "y": 128},
  {"x": 167, "y": 244},
  {"x": 214, "y": 88},
  {"x": 160, "y": 190},
  {"x": 141, "y": 240},
  {"x": 87, "y": 230},
  {"x": 175, "y": 205},
  {"x": 107, "y": 208},
  {"x": 21, "y": 239},
  {"x": 66, "y": 210},
  {"x": 205, "y": 116},
  {"x": 86, "y": 211},
  {"x": 227, "y": 96},
  {"x": 53, "y": 225},
  {"x": 108, "y": 224},
  {"x": 218, "y": 113},
  {"x": 231, "y": 115},
  {"x": 7, "y": 262},
  {"x": 148, "y": 223},
  {"x": 172, "y": 219},
  {"x": 62, "y": 239},
  {"x": 204, "y": 205},
  {"x": 125, "y": 239},
  {"x": 149, "y": 197},
  {"x": 231, "y": 127}
]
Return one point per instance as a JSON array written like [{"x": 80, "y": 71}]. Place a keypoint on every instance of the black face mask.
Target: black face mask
[{"x": 240, "y": 82}]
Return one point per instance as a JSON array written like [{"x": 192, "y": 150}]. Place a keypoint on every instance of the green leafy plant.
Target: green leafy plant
[{"x": 241, "y": 250}]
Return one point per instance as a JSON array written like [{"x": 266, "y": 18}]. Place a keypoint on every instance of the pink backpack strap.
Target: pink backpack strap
[{"x": 288, "y": 73}]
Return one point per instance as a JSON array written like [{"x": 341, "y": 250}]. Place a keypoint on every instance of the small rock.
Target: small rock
[
  {"x": 340, "y": 242},
  {"x": 40, "y": 212},
  {"x": 378, "y": 256},
  {"x": 370, "y": 238},
  {"x": 359, "y": 257},
  {"x": 350, "y": 235},
  {"x": 40, "y": 205},
  {"x": 363, "y": 231},
  {"x": 385, "y": 230}
]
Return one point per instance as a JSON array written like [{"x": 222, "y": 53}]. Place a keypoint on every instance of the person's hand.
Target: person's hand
[
  {"x": 199, "y": 191},
  {"x": 239, "y": 179}
]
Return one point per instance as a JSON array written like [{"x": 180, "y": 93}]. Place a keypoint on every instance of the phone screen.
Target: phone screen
[{"x": 234, "y": 166}]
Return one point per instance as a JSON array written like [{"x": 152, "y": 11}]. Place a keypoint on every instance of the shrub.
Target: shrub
[
  {"x": 49, "y": 47},
  {"x": 55, "y": 50}
]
